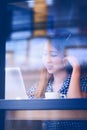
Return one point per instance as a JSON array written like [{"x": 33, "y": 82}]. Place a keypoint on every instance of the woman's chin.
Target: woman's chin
[{"x": 50, "y": 71}]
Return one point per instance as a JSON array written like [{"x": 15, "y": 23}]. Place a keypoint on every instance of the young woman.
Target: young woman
[{"x": 54, "y": 75}]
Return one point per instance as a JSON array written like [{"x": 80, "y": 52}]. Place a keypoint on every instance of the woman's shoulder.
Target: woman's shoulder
[{"x": 30, "y": 92}]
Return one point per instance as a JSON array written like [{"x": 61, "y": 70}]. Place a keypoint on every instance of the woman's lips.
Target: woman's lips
[{"x": 49, "y": 67}]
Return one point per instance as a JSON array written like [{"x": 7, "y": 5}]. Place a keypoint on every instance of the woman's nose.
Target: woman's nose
[{"x": 48, "y": 59}]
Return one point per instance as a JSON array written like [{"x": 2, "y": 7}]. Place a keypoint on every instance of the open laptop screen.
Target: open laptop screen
[{"x": 15, "y": 88}]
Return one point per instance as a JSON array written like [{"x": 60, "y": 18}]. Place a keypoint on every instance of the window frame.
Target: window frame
[{"x": 40, "y": 104}]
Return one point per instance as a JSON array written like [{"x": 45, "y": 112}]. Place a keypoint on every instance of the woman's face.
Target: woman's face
[{"x": 52, "y": 59}]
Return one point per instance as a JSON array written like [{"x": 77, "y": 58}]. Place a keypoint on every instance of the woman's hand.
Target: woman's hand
[
  {"x": 74, "y": 86},
  {"x": 73, "y": 61}
]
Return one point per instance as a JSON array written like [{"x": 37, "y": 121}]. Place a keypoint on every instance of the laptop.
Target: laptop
[{"x": 14, "y": 85}]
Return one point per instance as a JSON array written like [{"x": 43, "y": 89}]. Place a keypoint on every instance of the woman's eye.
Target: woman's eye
[
  {"x": 50, "y": 54},
  {"x": 53, "y": 55}
]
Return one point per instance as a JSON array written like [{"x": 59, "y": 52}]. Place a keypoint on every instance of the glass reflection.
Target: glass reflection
[
  {"x": 46, "y": 58},
  {"x": 47, "y": 43}
]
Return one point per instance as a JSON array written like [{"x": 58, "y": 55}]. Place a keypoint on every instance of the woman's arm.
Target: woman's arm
[{"x": 74, "y": 87}]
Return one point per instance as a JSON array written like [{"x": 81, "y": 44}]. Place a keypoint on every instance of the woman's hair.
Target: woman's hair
[
  {"x": 60, "y": 40},
  {"x": 58, "y": 43}
]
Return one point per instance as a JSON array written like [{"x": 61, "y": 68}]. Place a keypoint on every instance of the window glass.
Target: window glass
[
  {"x": 46, "y": 59},
  {"x": 46, "y": 50}
]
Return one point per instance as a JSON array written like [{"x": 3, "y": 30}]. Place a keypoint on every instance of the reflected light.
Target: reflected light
[
  {"x": 31, "y": 3},
  {"x": 18, "y": 98},
  {"x": 49, "y": 2}
]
